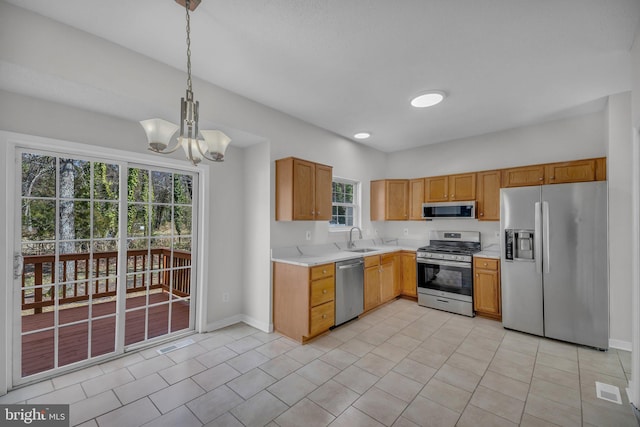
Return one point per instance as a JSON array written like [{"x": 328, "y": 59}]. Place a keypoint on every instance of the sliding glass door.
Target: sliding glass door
[{"x": 106, "y": 253}]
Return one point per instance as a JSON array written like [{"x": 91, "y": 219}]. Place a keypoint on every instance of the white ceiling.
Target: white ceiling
[{"x": 353, "y": 65}]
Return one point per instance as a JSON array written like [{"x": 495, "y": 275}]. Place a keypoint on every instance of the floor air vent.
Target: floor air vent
[
  {"x": 608, "y": 392},
  {"x": 175, "y": 346}
]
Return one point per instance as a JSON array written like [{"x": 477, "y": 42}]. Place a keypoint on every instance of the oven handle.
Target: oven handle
[{"x": 445, "y": 263}]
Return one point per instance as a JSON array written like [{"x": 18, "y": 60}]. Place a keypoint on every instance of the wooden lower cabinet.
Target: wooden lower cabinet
[
  {"x": 381, "y": 279},
  {"x": 487, "y": 299},
  {"x": 409, "y": 285},
  {"x": 371, "y": 282},
  {"x": 303, "y": 300}
]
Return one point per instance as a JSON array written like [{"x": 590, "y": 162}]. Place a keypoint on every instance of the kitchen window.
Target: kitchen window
[{"x": 345, "y": 204}]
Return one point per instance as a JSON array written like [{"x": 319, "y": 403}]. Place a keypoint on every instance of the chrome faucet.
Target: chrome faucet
[{"x": 350, "y": 244}]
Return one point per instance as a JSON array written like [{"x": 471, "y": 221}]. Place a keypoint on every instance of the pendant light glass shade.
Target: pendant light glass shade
[
  {"x": 216, "y": 143},
  {"x": 159, "y": 133},
  {"x": 192, "y": 148}
]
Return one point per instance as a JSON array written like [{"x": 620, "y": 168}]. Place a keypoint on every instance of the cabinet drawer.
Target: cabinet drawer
[
  {"x": 321, "y": 271},
  {"x": 486, "y": 263},
  {"x": 322, "y": 291},
  {"x": 371, "y": 261},
  {"x": 321, "y": 318}
]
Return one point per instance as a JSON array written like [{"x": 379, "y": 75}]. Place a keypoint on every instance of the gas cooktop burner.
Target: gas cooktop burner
[{"x": 449, "y": 250}]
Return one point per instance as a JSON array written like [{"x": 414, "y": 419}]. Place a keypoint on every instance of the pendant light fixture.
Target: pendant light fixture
[{"x": 205, "y": 144}]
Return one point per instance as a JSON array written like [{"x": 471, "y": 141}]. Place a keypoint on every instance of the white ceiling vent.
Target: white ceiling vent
[
  {"x": 608, "y": 392},
  {"x": 175, "y": 346}
]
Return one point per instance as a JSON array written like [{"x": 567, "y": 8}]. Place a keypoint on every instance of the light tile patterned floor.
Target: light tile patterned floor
[{"x": 402, "y": 365}]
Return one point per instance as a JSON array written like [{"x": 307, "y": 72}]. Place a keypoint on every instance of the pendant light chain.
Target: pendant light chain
[{"x": 187, "y": 4}]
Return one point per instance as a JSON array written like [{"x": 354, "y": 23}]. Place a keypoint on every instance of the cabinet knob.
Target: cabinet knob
[
  {"x": 485, "y": 264},
  {"x": 553, "y": 177},
  {"x": 540, "y": 179},
  {"x": 324, "y": 316},
  {"x": 324, "y": 291},
  {"x": 324, "y": 271},
  {"x": 477, "y": 275},
  {"x": 481, "y": 213},
  {"x": 453, "y": 195}
]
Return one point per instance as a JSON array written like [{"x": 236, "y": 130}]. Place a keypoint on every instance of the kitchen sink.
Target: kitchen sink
[{"x": 363, "y": 250}]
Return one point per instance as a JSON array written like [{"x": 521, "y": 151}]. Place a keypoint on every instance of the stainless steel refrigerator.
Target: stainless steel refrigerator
[{"x": 554, "y": 261}]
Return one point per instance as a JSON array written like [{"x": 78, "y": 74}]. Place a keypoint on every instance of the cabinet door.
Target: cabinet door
[
  {"x": 387, "y": 279},
  {"x": 462, "y": 187},
  {"x": 304, "y": 184},
  {"x": 416, "y": 198},
  {"x": 397, "y": 195},
  {"x": 578, "y": 171},
  {"x": 486, "y": 292},
  {"x": 523, "y": 176},
  {"x": 488, "y": 196},
  {"x": 377, "y": 200},
  {"x": 324, "y": 190},
  {"x": 437, "y": 189},
  {"x": 371, "y": 287},
  {"x": 409, "y": 285}
]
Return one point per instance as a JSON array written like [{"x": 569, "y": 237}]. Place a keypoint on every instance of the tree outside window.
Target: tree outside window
[{"x": 345, "y": 200}]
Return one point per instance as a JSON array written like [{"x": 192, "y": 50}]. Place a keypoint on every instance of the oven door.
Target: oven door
[{"x": 448, "y": 276}]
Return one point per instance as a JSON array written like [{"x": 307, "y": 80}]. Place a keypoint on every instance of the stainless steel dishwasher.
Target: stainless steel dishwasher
[{"x": 349, "y": 289}]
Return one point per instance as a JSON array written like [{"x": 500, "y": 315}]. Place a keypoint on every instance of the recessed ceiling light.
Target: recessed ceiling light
[
  {"x": 428, "y": 99},
  {"x": 362, "y": 135}
]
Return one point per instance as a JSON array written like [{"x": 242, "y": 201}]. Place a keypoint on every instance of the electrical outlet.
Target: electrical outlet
[
  {"x": 406, "y": 231},
  {"x": 225, "y": 297},
  {"x": 308, "y": 236}
]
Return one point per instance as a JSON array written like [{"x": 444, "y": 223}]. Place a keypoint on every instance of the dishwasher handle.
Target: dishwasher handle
[{"x": 353, "y": 265}]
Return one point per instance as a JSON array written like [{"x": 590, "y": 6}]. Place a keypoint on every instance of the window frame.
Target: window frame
[{"x": 356, "y": 205}]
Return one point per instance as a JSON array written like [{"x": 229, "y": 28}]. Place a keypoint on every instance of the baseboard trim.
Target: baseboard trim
[
  {"x": 620, "y": 345},
  {"x": 237, "y": 318}
]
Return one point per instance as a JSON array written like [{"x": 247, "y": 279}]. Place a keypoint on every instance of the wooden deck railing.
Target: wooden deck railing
[{"x": 41, "y": 270}]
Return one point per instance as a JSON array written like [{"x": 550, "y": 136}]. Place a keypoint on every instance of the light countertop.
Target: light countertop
[
  {"x": 491, "y": 251},
  {"x": 308, "y": 256}
]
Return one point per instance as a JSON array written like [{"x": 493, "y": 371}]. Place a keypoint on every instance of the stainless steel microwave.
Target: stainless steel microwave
[{"x": 449, "y": 210}]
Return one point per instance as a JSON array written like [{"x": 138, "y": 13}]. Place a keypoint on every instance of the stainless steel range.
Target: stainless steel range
[{"x": 445, "y": 274}]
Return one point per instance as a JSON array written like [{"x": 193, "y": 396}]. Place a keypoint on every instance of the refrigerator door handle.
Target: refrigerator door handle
[
  {"x": 545, "y": 231},
  {"x": 537, "y": 235}
]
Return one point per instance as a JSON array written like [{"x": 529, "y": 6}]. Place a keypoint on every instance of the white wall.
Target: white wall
[
  {"x": 257, "y": 237},
  {"x": 619, "y": 173},
  {"x": 567, "y": 139}
]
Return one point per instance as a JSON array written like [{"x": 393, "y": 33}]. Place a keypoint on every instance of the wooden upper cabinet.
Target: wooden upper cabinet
[
  {"x": 436, "y": 189},
  {"x": 416, "y": 198},
  {"x": 324, "y": 189},
  {"x": 576, "y": 171},
  {"x": 303, "y": 190},
  {"x": 601, "y": 169},
  {"x": 488, "y": 196},
  {"x": 523, "y": 176},
  {"x": 389, "y": 200},
  {"x": 304, "y": 185},
  {"x": 450, "y": 187},
  {"x": 462, "y": 187}
]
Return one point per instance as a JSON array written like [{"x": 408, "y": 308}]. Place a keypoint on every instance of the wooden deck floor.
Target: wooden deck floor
[{"x": 38, "y": 348}]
